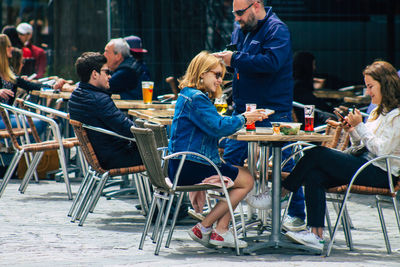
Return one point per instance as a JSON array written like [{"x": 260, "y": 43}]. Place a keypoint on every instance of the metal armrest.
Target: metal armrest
[
  {"x": 52, "y": 111},
  {"x": 101, "y": 130}
]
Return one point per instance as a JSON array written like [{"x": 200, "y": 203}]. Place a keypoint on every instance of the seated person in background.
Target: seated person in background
[
  {"x": 16, "y": 61},
  {"x": 137, "y": 51},
  {"x": 91, "y": 104},
  {"x": 303, "y": 74},
  {"x": 197, "y": 127},
  {"x": 25, "y": 31},
  {"x": 10, "y": 83},
  {"x": 321, "y": 168},
  {"x": 124, "y": 80}
]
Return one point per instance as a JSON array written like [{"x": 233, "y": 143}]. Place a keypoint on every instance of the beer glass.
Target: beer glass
[
  {"x": 309, "y": 118},
  {"x": 252, "y": 126},
  {"x": 147, "y": 90}
]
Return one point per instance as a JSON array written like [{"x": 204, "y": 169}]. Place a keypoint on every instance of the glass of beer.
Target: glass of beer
[
  {"x": 147, "y": 90},
  {"x": 309, "y": 118},
  {"x": 252, "y": 126},
  {"x": 221, "y": 104}
]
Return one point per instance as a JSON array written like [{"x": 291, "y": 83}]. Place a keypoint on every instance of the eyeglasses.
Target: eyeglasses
[
  {"x": 217, "y": 74},
  {"x": 240, "y": 12},
  {"x": 106, "y": 71}
]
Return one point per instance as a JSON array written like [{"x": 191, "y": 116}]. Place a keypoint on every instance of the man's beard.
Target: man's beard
[{"x": 251, "y": 23}]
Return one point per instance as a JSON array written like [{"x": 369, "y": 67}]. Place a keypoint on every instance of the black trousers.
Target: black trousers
[{"x": 321, "y": 168}]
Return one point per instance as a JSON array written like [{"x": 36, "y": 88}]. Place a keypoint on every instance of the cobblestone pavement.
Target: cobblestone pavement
[{"x": 35, "y": 231}]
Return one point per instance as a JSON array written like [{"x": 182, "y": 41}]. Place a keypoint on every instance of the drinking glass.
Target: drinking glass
[
  {"x": 147, "y": 90},
  {"x": 252, "y": 126},
  {"x": 309, "y": 118}
]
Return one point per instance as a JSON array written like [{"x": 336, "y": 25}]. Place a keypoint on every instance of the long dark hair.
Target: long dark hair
[
  {"x": 384, "y": 73},
  {"x": 303, "y": 66}
]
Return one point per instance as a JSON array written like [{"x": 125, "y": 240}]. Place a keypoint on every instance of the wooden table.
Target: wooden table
[
  {"x": 160, "y": 116},
  {"x": 276, "y": 142},
  {"x": 365, "y": 100},
  {"x": 332, "y": 94},
  {"x": 138, "y": 104}
]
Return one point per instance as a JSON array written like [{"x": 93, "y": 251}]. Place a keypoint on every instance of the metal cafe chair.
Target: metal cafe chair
[
  {"x": 391, "y": 192},
  {"x": 38, "y": 148},
  {"x": 88, "y": 193},
  {"x": 165, "y": 193}
]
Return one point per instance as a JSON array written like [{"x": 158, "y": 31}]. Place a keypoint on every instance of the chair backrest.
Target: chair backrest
[
  {"x": 140, "y": 123},
  {"x": 20, "y": 103},
  {"x": 160, "y": 133},
  {"x": 86, "y": 146},
  {"x": 151, "y": 158},
  {"x": 341, "y": 138},
  {"x": 9, "y": 128}
]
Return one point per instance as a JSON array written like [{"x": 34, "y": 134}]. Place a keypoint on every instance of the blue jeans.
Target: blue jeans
[{"x": 235, "y": 152}]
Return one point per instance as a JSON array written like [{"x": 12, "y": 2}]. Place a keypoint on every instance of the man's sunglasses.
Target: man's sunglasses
[
  {"x": 240, "y": 12},
  {"x": 106, "y": 71}
]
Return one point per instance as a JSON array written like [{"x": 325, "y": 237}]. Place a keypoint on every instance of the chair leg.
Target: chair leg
[
  {"x": 396, "y": 211},
  {"x": 97, "y": 196},
  {"x": 161, "y": 209},
  {"x": 148, "y": 221},
  {"x": 29, "y": 172},
  {"x": 338, "y": 219},
  {"x": 94, "y": 198},
  {"x": 63, "y": 164},
  {"x": 85, "y": 197},
  {"x": 383, "y": 225},
  {"x": 347, "y": 229},
  {"x": 164, "y": 225},
  {"x": 141, "y": 194},
  {"x": 10, "y": 170},
  {"x": 177, "y": 208},
  {"x": 80, "y": 191}
]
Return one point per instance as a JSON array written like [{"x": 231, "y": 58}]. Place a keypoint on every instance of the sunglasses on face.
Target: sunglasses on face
[
  {"x": 240, "y": 12},
  {"x": 106, "y": 71},
  {"x": 217, "y": 74}
]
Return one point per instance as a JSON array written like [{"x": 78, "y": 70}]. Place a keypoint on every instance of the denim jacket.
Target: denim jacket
[{"x": 197, "y": 126}]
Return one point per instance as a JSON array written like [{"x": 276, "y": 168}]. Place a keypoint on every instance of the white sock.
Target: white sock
[{"x": 204, "y": 229}]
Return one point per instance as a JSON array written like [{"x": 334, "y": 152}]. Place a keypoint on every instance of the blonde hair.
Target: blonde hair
[
  {"x": 5, "y": 71},
  {"x": 200, "y": 64}
]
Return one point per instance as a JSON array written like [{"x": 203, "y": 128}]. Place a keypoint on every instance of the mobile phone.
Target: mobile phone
[{"x": 340, "y": 114}]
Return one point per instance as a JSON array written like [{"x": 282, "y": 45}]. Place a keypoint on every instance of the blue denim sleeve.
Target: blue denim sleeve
[
  {"x": 273, "y": 53},
  {"x": 206, "y": 117}
]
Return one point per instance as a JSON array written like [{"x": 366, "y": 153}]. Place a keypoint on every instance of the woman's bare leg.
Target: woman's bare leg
[{"x": 242, "y": 185}]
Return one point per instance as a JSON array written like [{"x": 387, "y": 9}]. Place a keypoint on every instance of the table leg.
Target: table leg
[{"x": 276, "y": 239}]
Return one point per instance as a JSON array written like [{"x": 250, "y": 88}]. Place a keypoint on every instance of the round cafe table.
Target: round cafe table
[{"x": 276, "y": 142}]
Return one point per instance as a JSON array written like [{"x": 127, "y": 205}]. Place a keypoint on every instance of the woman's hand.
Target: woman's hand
[
  {"x": 6, "y": 94},
  {"x": 255, "y": 115},
  {"x": 354, "y": 118}
]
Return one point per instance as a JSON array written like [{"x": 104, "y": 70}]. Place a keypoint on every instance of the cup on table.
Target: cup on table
[
  {"x": 309, "y": 118},
  {"x": 147, "y": 90},
  {"x": 252, "y": 126}
]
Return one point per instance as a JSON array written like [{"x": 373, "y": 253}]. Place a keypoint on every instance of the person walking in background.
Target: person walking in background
[
  {"x": 262, "y": 67},
  {"x": 197, "y": 127}
]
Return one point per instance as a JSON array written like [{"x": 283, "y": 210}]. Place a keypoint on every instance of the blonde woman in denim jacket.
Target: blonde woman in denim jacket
[{"x": 197, "y": 127}]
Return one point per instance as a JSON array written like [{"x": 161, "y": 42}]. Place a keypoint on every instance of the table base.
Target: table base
[{"x": 273, "y": 245}]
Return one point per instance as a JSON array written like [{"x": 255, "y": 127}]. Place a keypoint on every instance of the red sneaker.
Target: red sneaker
[{"x": 197, "y": 235}]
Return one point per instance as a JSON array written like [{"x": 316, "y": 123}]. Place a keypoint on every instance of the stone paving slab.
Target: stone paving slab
[{"x": 35, "y": 231}]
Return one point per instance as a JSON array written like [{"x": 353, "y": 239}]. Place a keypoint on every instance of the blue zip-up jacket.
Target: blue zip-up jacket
[
  {"x": 125, "y": 80},
  {"x": 263, "y": 65},
  {"x": 197, "y": 126}
]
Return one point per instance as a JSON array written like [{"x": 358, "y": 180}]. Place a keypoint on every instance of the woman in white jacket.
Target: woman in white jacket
[{"x": 322, "y": 168}]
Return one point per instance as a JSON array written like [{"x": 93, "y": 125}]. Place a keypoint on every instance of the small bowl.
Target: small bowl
[{"x": 290, "y": 128}]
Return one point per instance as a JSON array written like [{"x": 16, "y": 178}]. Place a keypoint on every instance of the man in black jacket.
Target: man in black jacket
[{"x": 91, "y": 104}]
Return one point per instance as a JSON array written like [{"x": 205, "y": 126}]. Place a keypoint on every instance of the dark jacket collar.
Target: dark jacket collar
[
  {"x": 127, "y": 63},
  {"x": 88, "y": 86}
]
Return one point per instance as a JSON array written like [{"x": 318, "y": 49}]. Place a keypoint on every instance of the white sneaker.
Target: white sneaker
[
  {"x": 225, "y": 240},
  {"x": 307, "y": 238},
  {"x": 263, "y": 201},
  {"x": 293, "y": 224}
]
